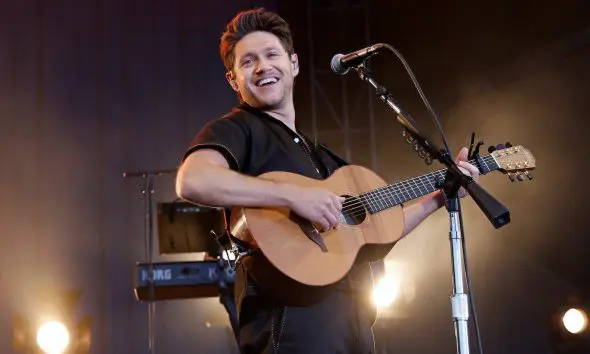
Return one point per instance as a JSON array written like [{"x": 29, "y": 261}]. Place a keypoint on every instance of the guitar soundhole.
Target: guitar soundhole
[{"x": 353, "y": 210}]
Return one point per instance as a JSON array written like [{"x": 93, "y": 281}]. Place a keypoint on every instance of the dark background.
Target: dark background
[{"x": 91, "y": 89}]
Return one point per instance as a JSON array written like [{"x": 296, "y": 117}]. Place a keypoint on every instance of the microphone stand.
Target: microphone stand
[
  {"x": 148, "y": 191},
  {"x": 497, "y": 214}
]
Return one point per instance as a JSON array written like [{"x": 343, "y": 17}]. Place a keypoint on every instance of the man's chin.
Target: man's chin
[{"x": 267, "y": 102}]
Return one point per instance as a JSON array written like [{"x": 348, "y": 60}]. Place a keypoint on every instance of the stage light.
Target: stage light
[
  {"x": 385, "y": 292},
  {"x": 570, "y": 334},
  {"x": 52, "y": 325},
  {"x": 575, "y": 320},
  {"x": 53, "y": 337},
  {"x": 393, "y": 287}
]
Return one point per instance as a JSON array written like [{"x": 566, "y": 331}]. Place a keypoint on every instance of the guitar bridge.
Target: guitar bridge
[{"x": 309, "y": 230}]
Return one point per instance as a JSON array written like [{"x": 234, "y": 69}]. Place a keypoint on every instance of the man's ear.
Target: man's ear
[
  {"x": 295, "y": 64},
  {"x": 232, "y": 81}
]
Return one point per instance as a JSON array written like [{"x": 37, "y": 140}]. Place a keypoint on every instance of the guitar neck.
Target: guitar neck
[{"x": 394, "y": 194}]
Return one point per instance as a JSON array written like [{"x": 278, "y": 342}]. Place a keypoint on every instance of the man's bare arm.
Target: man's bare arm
[
  {"x": 415, "y": 213},
  {"x": 205, "y": 178}
]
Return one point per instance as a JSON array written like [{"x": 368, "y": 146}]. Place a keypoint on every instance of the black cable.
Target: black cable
[
  {"x": 422, "y": 96},
  {"x": 444, "y": 138}
]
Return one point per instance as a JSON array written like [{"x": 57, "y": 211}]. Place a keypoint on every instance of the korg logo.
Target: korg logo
[{"x": 159, "y": 274}]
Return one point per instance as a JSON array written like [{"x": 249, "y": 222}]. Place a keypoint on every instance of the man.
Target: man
[{"x": 258, "y": 136}]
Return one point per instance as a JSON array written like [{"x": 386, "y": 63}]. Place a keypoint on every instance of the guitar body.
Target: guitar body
[{"x": 296, "y": 262}]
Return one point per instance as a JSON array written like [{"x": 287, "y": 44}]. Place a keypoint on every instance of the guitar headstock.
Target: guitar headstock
[{"x": 515, "y": 161}]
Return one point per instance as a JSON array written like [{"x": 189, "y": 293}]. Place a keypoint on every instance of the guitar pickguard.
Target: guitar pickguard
[{"x": 309, "y": 230}]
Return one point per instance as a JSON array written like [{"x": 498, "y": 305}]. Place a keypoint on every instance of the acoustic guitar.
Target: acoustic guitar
[{"x": 300, "y": 256}]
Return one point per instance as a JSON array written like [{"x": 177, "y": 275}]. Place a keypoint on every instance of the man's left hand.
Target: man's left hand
[{"x": 466, "y": 168}]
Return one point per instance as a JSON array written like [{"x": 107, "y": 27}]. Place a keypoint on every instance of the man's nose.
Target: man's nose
[{"x": 262, "y": 65}]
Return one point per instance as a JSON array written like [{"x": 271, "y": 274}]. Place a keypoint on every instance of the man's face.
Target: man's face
[{"x": 263, "y": 71}]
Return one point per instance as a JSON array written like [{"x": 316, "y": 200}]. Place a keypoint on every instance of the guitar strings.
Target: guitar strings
[
  {"x": 395, "y": 190},
  {"x": 354, "y": 207},
  {"x": 395, "y": 187},
  {"x": 408, "y": 187}
]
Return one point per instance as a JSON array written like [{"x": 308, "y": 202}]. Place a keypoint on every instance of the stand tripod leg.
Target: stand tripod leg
[
  {"x": 149, "y": 239},
  {"x": 148, "y": 191}
]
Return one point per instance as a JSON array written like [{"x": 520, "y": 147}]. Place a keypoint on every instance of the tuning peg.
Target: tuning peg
[
  {"x": 500, "y": 147},
  {"x": 508, "y": 144},
  {"x": 519, "y": 176},
  {"x": 491, "y": 149},
  {"x": 511, "y": 176},
  {"x": 410, "y": 139},
  {"x": 417, "y": 147},
  {"x": 428, "y": 159},
  {"x": 422, "y": 153},
  {"x": 404, "y": 132},
  {"x": 529, "y": 175}
]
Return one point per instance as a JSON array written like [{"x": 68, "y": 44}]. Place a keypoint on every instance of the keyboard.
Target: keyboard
[{"x": 183, "y": 280}]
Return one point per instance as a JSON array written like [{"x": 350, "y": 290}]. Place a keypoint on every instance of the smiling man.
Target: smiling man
[
  {"x": 262, "y": 72},
  {"x": 260, "y": 135}
]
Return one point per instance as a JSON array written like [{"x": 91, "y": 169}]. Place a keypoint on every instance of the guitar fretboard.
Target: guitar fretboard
[{"x": 394, "y": 194}]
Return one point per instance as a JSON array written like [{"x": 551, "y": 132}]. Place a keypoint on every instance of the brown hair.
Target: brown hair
[{"x": 249, "y": 21}]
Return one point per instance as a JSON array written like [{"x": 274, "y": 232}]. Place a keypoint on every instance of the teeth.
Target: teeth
[{"x": 268, "y": 80}]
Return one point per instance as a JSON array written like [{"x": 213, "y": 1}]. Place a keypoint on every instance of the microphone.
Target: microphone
[{"x": 341, "y": 63}]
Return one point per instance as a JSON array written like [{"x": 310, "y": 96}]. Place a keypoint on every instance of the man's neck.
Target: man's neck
[{"x": 285, "y": 114}]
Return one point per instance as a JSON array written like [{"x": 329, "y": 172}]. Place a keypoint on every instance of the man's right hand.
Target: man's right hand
[{"x": 317, "y": 205}]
